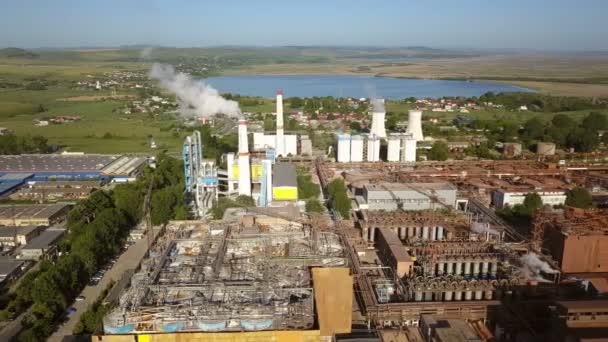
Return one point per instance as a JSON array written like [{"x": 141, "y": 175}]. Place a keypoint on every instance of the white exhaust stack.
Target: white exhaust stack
[
  {"x": 280, "y": 133},
  {"x": 244, "y": 168},
  {"x": 378, "y": 116},
  {"x": 414, "y": 124}
]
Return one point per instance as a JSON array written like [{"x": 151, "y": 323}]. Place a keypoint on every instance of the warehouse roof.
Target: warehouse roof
[
  {"x": 45, "y": 239},
  {"x": 410, "y": 186},
  {"x": 8, "y": 266},
  {"x": 30, "y": 210},
  {"x": 8, "y": 231},
  {"x": 123, "y": 166},
  {"x": 55, "y": 162},
  {"x": 15, "y": 177},
  {"x": 284, "y": 175},
  {"x": 8, "y": 187}
]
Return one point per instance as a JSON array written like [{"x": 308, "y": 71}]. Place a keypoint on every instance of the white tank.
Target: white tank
[
  {"x": 373, "y": 148},
  {"x": 343, "y": 148},
  {"x": 259, "y": 141},
  {"x": 409, "y": 149},
  {"x": 356, "y": 148},
  {"x": 414, "y": 124},
  {"x": 394, "y": 146}
]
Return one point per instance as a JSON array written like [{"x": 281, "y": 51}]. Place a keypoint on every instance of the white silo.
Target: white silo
[
  {"x": 408, "y": 148},
  {"x": 343, "y": 148},
  {"x": 414, "y": 124},
  {"x": 244, "y": 164},
  {"x": 378, "y": 117},
  {"x": 394, "y": 144},
  {"x": 356, "y": 148},
  {"x": 373, "y": 148}
]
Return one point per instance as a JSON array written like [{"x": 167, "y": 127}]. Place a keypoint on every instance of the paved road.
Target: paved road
[{"x": 128, "y": 260}]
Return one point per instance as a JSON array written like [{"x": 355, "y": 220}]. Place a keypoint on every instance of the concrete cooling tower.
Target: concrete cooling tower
[
  {"x": 378, "y": 116},
  {"x": 414, "y": 124}
]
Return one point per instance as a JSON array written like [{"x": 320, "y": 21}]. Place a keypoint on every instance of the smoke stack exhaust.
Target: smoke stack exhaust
[
  {"x": 280, "y": 132},
  {"x": 244, "y": 166}
]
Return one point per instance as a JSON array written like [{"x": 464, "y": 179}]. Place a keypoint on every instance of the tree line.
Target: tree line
[
  {"x": 97, "y": 228},
  {"x": 13, "y": 144}
]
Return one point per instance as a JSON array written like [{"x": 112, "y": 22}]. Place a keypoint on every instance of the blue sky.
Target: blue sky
[{"x": 529, "y": 24}]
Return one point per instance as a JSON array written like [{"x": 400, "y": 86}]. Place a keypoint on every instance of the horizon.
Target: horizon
[{"x": 543, "y": 25}]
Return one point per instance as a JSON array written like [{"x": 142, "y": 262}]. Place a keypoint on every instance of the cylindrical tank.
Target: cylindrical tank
[
  {"x": 408, "y": 146},
  {"x": 484, "y": 268},
  {"x": 417, "y": 232},
  {"x": 468, "y": 295},
  {"x": 489, "y": 294},
  {"x": 401, "y": 233},
  {"x": 439, "y": 233},
  {"x": 428, "y": 296},
  {"x": 476, "y": 268},
  {"x": 425, "y": 233},
  {"x": 372, "y": 233},
  {"x": 467, "y": 268},
  {"x": 433, "y": 233},
  {"x": 440, "y": 268},
  {"x": 449, "y": 267},
  {"x": 344, "y": 148},
  {"x": 394, "y": 148},
  {"x": 458, "y": 270},
  {"x": 448, "y": 296},
  {"x": 457, "y": 295},
  {"x": 356, "y": 148},
  {"x": 493, "y": 267},
  {"x": 418, "y": 296},
  {"x": 478, "y": 295}
]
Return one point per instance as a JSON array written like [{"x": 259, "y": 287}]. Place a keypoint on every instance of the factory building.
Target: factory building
[
  {"x": 74, "y": 166},
  {"x": 43, "y": 245},
  {"x": 577, "y": 239},
  {"x": 11, "y": 182},
  {"x": 244, "y": 274},
  {"x": 284, "y": 183},
  {"x": 11, "y": 236},
  {"x": 283, "y": 144},
  {"x": 504, "y": 197},
  {"x": 407, "y": 196},
  {"x": 32, "y": 214}
]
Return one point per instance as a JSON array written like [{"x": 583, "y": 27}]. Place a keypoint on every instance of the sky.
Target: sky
[{"x": 514, "y": 24}]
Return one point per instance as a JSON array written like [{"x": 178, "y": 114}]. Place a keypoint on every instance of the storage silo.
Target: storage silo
[
  {"x": 414, "y": 124},
  {"x": 291, "y": 144},
  {"x": 394, "y": 147},
  {"x": 356, "y": 148},
  {"x": 373, "y": 148},
  {"x": 409, "y": 149},
  {"x": 343, "y": 148}
]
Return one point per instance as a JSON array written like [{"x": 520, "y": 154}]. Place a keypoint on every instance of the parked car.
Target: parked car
[{"x": 80, "y": 298}]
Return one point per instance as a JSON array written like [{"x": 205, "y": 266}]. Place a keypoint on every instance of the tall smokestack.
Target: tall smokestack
[
  {"x": 378, "y": 116},
  {"x": 414, "y": 124},
  {"x": 244, "y": 168},
  {"x": 280, "y": 133}
]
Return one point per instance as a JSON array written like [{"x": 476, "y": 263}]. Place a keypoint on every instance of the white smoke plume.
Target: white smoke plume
[
  {"x": 378, "y": 105},
  {"x": 532, "y": 266},
  {"x": 146, "y": 53},
  {"x": 196, "y": 98}
]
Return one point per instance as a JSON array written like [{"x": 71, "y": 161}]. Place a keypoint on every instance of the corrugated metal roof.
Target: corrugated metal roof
[
  {"x": 15, "y": 177},
  {"x": 284, "y": 175},
  {"x": 46, "y": 239}
]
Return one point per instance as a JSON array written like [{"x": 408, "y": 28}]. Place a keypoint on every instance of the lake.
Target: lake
[{"x": 353, "y": 86}]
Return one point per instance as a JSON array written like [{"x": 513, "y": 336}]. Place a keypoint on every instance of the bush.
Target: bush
[{"x": 314, "y": 206}]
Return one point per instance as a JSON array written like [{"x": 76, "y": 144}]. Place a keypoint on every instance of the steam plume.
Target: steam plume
[
  {"x": 533, "y": 265},
  {"x": 378, "y": 105},
  {"x": 145, "y": 53},
  {"x": 196, "y": 98}
]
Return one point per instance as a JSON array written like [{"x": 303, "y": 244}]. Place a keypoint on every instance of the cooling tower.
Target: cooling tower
[
  {"x": 378, "y": 124},
  {"x": 280, "y": 133},
  {"x": 414, "y": 124},
  {"x": 244, "y": 168}
]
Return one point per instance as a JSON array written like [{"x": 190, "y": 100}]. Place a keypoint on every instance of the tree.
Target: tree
[
  {"x": 532, "y": 202},
  {"x": 296, "y": 102},
  {"x": 563, "y": 121},
  {"x": 533, "y": 129},
  {"x": 439, "y": 151},
  {"x": 245, "y": 201},
  {"x": 340, "y": 201},
  {"x": 306, "y": 188},
  {"x": 355, "y": 126},
  {"x": 579, "y": 198},
  {"x": 595, "y": 121},
  {"x": 314, "y": 206}
]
